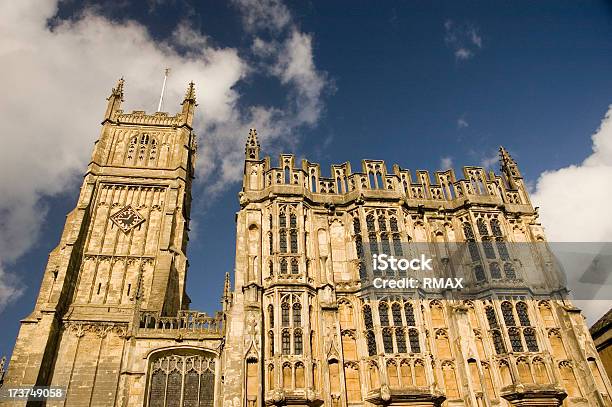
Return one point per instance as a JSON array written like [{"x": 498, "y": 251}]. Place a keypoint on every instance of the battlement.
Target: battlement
[
  {"x": 140, "y": 117},
  {"x": 376, "y": 177},
  {"x": 115, "y": 115}
]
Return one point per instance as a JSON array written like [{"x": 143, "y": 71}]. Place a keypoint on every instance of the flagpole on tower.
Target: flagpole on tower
[{"x": 161, "y": 97}]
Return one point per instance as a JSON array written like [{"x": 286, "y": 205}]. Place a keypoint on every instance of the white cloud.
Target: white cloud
[
  {"x": 55, "y": 82},
  {"x": 446, "y": 163},
  {"x": 575, "y": 201},
  {"x": 489, "y": 162},
  {"x": 264, "y": 14},
  {"x": 579, "y": 189},
  {"x": 462, "y": 123},
  {"x": 463, "y": 39}
]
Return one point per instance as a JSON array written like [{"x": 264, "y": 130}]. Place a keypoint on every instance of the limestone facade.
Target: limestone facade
[{"x": 302, "y": 324}]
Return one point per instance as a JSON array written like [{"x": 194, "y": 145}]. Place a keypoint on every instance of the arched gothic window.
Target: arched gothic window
[
  {"x": 515, "y": 340},
  {"x": 370, "y": 223},
  {"x": 367, "y": 317},
  {"x": 297, "y": 314},
  {"x": 488, "y": 249},
  {"x": 409, "y": 313},
  {"x": 283, "y": 266},
  {"x": 371, "y": 340},
  {"x": 188, "y": 376},
  {"x": 396, "y": 311},
  {"x": 271, "y": 315},
  {"x": 387, "y": 340},
  {"x": 271, "y": 344},
  {"x": 467, "y": 231},
  {"x": 530, "y": 340},
  {"x": 495, "y": 271},
  {"x": 285, "y": 313},
  {"x": 297, "y": 342},
  {"x": 286, "y": 342},
  {"x": 498, "y": 342},
  {"x": 471, "y": 242},
  {"x": 383, "y": 313},
  {"x": 295, "y": 266},
  {"x": 294, "y": 241},
  {"x": 491, "y": 318},
  {"x": 521, "y": 310},
  {"x": 482, "y": 227},
  {"x": 479, "y": 273},
  {"x": 400, "y": 337},
  {"x": 415, "y": 346},
  {"x": 509, "y": 271},
  {"x": 508, "y": 314}
]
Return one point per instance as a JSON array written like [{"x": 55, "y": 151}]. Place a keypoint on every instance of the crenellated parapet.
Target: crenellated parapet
[
  {"x": 141, "y": 118},
  {"x": 444, "y": 188}
]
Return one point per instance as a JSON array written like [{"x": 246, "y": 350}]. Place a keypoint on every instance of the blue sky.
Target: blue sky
[{"x": 416, "y": 83}]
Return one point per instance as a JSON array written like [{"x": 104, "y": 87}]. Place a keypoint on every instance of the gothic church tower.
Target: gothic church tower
[{"x": 122, "y": 253}]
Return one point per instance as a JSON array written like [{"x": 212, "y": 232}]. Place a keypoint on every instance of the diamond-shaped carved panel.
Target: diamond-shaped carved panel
[{"x": 127, "y": 218}]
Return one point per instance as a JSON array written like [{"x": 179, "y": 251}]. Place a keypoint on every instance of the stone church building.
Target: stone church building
[{"x": 302, "y": 323}]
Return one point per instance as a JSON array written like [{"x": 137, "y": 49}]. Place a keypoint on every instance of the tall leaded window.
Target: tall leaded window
[
  {"x": 515, "y": 340},
  {"x": 382, "y": 225},
  {"x": 297, "y": 314},
  {"x": 471, "y": 241},
  {"x": 409, "y": 313},
  {"x": 396, "y": 311},
  {"x": 523, "y": 316},
  {"x": 271, "y": 315},
  {"x": 498, "y": 342},
  {"x": 373, "y": 240},
  {"x": 270, "y": 236},
  {"x": 387, "y": 340},
  {"x": 482, "y": 227},
  {"x": 488, "y": 249},
  {"x": 495, "y": 270},
  {"x": 496, "y": 228},
  {"x": 397, "y": 241},
  {"x": 499, "y": 237},
  {"x": 509, "y": 271},
  {"x": 293, "y": 233},
  {"x": 185, "y": 379},
  {"x": 415, "y": 346},
  {"x": 286, "y": 342},
  {"x": 491, "y": 318},
  {"x": 285, "y": 313},
  {"x": 295, "y": 266},
  {"x": 400, "y": 337},
  {"x": 367, "y": 317},
  {"x": 370, "y": 223},
  {"x": 383, "y": 313},
  {"x": 371, "y": 340},
  {"x": 282, "y": 231},
  {"x": 384, "y": 241},
  {"x": 297, "y": 342},
  {"x": 479, "y": 273},
  {"x": 291, "y": 322},
  {"x": 530, "y": 339},
  {"x": 294, "y": 241},
  {"x": 508, "y": 314},
  {"x": 270, "y": 344},
  {"x": 283, "y": 266},
  {"x": 359, "y": 247}
]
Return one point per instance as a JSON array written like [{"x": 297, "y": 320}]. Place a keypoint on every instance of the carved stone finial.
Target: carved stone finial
[
  {"x": 117, "y": 91},
  {"x": 190, "y": 95},
  {"x": 252, "y": 146},
  {"x": 508, "y": 165}
]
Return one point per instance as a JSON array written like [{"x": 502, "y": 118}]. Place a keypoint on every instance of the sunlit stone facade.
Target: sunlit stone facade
[{"x": 302, "y": 324}]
